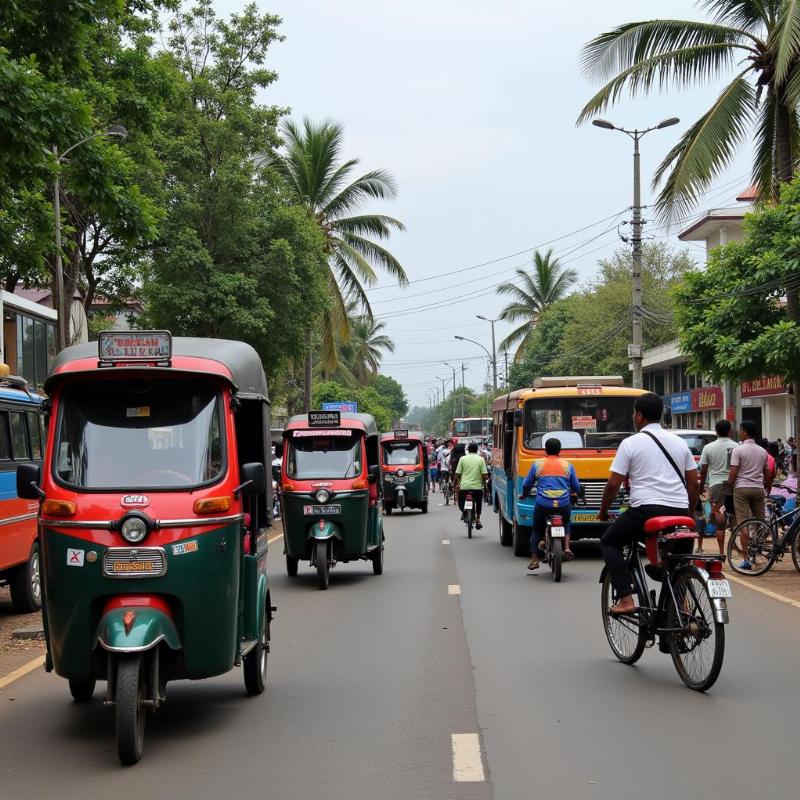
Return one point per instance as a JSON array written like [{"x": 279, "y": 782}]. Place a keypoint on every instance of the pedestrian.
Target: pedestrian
[
  {"x": 715, "y": 464},
  {"x": 751, "y": 478}
]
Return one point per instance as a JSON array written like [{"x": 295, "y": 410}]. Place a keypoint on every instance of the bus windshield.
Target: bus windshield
[
  {"x": 401, "y": 453},
  {"x": 473, "y": 426},
  {"x": 324, "y": 456},
  {"x": 591, "y": 421}
]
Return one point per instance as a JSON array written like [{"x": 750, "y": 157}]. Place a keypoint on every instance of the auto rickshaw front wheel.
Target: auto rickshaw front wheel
[
  {"x": 130, "y": 709},
  {"x": 81, "y": 691},
  {"x": 255, "y": 662},
  {"x": 291, "y": 567},
  {"x": 321, "y": 560}
]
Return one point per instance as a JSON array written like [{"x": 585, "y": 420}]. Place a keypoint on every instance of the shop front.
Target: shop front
[
  {"x": 697, "y": 408},
  {"x": 768, "y": 402}
]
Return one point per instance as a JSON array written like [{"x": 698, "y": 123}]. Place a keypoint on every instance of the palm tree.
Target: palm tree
[
  {"x": 548, "y": 283},
  {"x": 319, "y": 179},
  {"x": 757, "y": 39},
  {"x": 366, "y": 346}
]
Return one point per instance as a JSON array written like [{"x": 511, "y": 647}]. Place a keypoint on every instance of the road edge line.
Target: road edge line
[
  {"x": 768, "y": 592},
  {"x": 20, "y": 672}
]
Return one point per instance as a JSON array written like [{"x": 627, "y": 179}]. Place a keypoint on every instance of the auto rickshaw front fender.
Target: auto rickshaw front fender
[
  {"x": 136, "y": 629},
  {"x": 324, "y": 530}
]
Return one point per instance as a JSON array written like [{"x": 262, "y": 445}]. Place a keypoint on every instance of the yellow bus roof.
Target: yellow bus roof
[{"x": 515, "y": 399}]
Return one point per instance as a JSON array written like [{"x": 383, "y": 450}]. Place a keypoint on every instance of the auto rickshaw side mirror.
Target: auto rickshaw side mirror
[
  {"x": 373, "y": 473},
  {"x": 29, "y": 476},
  {"x": 278, "y": 449},
  {"x": 254, "y": 479}
]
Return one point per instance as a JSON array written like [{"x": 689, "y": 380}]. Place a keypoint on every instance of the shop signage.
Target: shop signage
[
  {"x": 707, "y": 398},
  {"x": 764, "y": 386},
  {"x": 680, "y": 403},
  {"x": 344, "y": 405}
]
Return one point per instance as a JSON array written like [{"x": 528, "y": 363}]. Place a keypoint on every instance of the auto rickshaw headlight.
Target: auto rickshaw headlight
[
  {"x": 400, "y": 473},
  {"x": 133, "y": 529},
  {"x": 322, "y": 495}
]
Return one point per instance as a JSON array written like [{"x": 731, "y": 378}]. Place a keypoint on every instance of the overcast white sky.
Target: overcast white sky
[{"x": 472, "y": 105}]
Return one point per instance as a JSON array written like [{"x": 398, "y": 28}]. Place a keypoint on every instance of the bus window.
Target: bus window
[
  {"x": 19, "y": 437},
  {"x": 5, "y": 442},
  {"x": 35, "y": 433}
]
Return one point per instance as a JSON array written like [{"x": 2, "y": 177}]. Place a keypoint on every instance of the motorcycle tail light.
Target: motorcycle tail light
[
  {"x": 715, "y": 568},
  {"x": 59, "y": 508},
  {"x": 557, "y": 521},
  {"x": 213, "y": 505}
]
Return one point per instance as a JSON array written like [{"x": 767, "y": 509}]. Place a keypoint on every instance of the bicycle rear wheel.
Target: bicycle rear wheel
[
  {"x": 796, "y": 551},
  {"x": 625, "y": 634},
  {"x": 752, "y": 547},
  {"x": 699, "y": 647}
]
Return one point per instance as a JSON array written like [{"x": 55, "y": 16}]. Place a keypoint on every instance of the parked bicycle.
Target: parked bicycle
[
  {"x": 689, "y": 614},
  {"x": 756, "y": 544}
]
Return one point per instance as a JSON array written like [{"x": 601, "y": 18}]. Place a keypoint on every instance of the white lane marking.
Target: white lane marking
[
  {"x": 23, "y": 670},
  {"x": 274, "y": 538},
  {"x": 774, "y": 595},
  {"x": 467, "y": 761},
  {"x": 453, "y": 588},
  {"x": 445, "y": 541}
]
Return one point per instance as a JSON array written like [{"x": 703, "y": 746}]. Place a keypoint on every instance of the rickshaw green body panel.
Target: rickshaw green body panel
[
  {"x": 150, "y": 627},
  {"x": 201, "y": 588},
  {"x": 416, "y": 492},
  {"x": 255, "y": 588}
]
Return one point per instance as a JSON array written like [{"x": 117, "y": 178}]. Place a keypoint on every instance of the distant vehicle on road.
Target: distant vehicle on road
[
  {"x": 696, "y": 439},
  {"x": 471, "y": 429}
]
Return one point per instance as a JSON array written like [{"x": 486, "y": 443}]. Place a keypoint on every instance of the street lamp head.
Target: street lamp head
[
  {"x": 117, "y": 131},
  {"x": 666, "y": 123},
  {"x": 603, "y": 123},
  {"x": 480, "y": 316},
  {"x": 460, "y": 337}
]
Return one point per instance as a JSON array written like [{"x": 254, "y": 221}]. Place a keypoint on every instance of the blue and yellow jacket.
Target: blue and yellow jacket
[{"x": 555, "y": 479}]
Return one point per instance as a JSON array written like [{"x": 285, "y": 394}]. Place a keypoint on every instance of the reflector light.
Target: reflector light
[
  {"x": 59, "y": 508},
  {"x": 360, "y": 484},
  {"x": 213, "y": 505}
]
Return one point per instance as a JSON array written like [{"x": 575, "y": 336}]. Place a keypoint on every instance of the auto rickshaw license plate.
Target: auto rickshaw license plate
[
  {"x": 313, "y": 511},
  {"x": 400, "y": 481}
]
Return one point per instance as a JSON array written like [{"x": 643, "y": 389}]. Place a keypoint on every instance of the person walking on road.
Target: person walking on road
[
  {"x": 471, "y": 475},
  {"x": 555, "y": 481},
  {"x": 663, "y": 478},
  {"x": 715, "y": 464},
  {"x": 751, "y": 478}
]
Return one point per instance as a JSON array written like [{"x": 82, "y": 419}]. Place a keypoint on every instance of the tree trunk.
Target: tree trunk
[{"x": 307, "y": 377}]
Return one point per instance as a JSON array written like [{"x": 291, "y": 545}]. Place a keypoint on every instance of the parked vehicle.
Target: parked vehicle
[
  {"x": 404, "y": 465},
  {"x": 153, "y": 519},
  {"x": 329, "y": 492},
  {"x": 695, "y": 439}
]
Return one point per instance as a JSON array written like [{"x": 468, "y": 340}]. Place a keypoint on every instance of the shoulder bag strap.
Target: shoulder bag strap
[{"x": 667, "y": 456}]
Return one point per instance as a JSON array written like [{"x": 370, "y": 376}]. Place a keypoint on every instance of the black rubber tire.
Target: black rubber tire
[
  {"x": 758, "y": 528},
  {"x": 521, "y": 540},
  {"x": 556, "y": 558},
  {"x": 130, "y": 714},
  {"x": 256, "y": 662},
  {"x": 26, "y": 584},
  {"x": 630, "y": 655},
  {"x": 291, "y": 566},
  {"x": 82, "y": 691},
  {"x": 388, "y": 509},
  {"x": 703, "y": 682},
  {"x": 377, "y": 560},
  {"x": 506, "y": 530},
  {"x": 469, "y": 526},
  {"x": 424, "y": 507},
  {"x": 796, "y": 552},
  {"x": 321, "y": 561},
  {"x": 401, "y": 502}
]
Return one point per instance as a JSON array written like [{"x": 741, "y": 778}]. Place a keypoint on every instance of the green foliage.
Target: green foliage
[
  {"x": 392, "y": 395},
  {"x": 368, "y": 399},
  {"x": 739, "y": 317}
]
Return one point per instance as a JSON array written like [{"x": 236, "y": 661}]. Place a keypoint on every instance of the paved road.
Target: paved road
[{"x": 370, "y": 680}]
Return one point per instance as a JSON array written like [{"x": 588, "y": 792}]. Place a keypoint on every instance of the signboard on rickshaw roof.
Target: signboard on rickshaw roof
[
  {"x": 134, "y": 346},
  {"x": 401, "y": 434},
  {"x": 324, "y": 419}
]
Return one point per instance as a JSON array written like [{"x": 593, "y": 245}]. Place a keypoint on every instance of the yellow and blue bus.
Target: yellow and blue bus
[{"x": 590, "y": 415}]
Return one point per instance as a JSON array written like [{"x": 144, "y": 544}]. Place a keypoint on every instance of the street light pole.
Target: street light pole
[
  {"x": 488, "y": 354},
  {"x": 635, "y": 349},
  {"x": 463, "y": 370},
  {"x": 444, "y": 391},
  {"x": 454, "y": 386},
  {"x": 494, "y": 350}
]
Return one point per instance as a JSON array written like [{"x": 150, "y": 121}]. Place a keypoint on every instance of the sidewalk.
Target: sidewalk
[{"x": 16, "y": 652}]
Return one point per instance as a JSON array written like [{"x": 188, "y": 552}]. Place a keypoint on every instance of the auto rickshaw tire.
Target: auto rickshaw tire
[
  {"x": 82, "y": 691},
  {"x": 256, "y": 661},
  {"x": 377, "y": 560},
  {"x": 424, "y": 507},
  {"x": 130, "y": 712},
  {"x": 291, "y": 566},
  {"x": 321, "y": 560},
  {"x": 26, "y": 584},
  {"x": 388, "y": 509},
  {"x": 521, "y": 540},
  {"x": 506, "y": 531}
]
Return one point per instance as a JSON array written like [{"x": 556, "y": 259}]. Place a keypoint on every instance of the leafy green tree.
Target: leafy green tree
[
  {"x": 735, "y": 323},
  {"x": 546, "y": 284},
  {"x": 391, "y": 392},
  {"x": 759, "y": 42}
]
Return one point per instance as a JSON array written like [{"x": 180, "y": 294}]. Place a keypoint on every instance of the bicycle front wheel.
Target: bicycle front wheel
[
  {"x": 796, "y": 551},
  {"x": 752, "y": 547},
  {"x": 625, "y": 634},
  {"x": 697, "y": 643}
]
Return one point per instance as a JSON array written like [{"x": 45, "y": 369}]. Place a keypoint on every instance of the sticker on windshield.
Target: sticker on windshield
[
  {"x": 583, "y": 423},
  {"x": 138, "y": 411}
]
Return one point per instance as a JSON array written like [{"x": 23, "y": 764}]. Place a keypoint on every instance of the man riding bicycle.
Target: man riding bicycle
[
  {"x": 444, "y": 464},
  {"x": 663, "y": 482},
  {"x": 555, "y": 481},
  {"x": 471, "y": 475}
]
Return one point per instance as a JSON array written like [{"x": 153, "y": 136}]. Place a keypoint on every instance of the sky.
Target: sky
[{"x": 472, "y": 106}]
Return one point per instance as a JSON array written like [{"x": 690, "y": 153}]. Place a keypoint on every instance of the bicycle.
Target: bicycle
[
  {"x": 469, "y": 511},
  {"x": 446, "y": 490},
  {"x": 690, "y": 613},
  {"x": 760, "y": 543}
]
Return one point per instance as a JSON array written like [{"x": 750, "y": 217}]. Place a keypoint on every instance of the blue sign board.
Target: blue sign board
[
  {"x": 680, "y": 403},
  {"x": 344, "y": 405}
]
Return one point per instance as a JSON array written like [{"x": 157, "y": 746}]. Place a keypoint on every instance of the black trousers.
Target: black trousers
[
  {"x": 626, "y": 529},
  {"x": 477, "y": 498}
]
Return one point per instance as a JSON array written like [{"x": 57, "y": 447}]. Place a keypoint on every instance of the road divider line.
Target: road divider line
[
  {"x": 274, "y": 538},
  {"x": 453, "y": 588},
  {"x": 20, "y": 672},
  {"x": 445, "y": 541},
  {"x": 467, "y": 760},
  {"x": 774, "y": 595}
]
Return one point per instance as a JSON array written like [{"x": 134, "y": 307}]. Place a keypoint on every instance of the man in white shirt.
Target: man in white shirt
[{"x": 663, "y": 482}]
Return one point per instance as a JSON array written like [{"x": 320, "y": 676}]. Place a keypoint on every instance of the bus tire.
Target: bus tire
[
  {"x": 26, "y": 584},
  {"x": 506, "y": 531},
  {"x": 521, "y": 540}
]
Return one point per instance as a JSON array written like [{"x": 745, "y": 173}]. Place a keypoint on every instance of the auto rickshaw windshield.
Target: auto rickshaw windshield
[
  {"x": 154, "y": 434},
  {"x": 401, "y": 453},
  {"x": 324, "y": 457}
]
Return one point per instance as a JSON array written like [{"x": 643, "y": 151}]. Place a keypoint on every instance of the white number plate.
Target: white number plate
[
  {"x": 719, "y": 589},
  {"x": 468, "y": 505},
  {"x": 557, "y": 532},
  {"x": 400, "y": 481}
]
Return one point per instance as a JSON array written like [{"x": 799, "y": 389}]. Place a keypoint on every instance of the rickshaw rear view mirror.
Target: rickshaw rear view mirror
[
  {"x": 254, "y": 479},
  {"x": 279, "y": 450},
  {"x": 373, "y": 472},
  {"x": 29, "y": 476},
  {"x": 518, "y": 417}
]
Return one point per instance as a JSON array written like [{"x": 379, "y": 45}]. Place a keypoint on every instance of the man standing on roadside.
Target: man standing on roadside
[
  {"x": 715, "y": 464},
  {"x": 751, "y": 479}
]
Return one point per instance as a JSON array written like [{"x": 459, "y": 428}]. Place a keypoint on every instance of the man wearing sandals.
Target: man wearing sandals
[
  {"x": 663, "y": 482},
  {"x": 555, "y": 481}
]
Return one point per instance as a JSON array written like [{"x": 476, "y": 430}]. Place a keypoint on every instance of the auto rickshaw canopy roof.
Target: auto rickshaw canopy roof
[
  {"x": 412, "y": 436},
  {"x": 356, "y": 422},
  {"x": 236, "y": 362}
]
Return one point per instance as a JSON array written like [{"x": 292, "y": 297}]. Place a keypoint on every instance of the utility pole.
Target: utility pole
[
  {"x": 454, "y": 386},
  {"x": 444, "y": 392},
  {"x": 505, "y": 354},
  {"x": 463, "y": 370},
  {"x": 494, "y": 351}
]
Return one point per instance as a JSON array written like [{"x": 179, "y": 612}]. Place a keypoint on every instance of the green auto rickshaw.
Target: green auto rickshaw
[
  {"x": 330, "y": 487},
  {"x": 404, "y": 464}
]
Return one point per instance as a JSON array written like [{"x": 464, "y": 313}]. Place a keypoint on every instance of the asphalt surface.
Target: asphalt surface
[{"x": 369, "y": 680}]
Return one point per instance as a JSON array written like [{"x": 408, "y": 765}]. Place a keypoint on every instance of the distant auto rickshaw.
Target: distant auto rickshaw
[
  {"x": 330, "y": 485},
  {"x": 153, "y": 518},
  {"x": 404, "y": 464}
]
